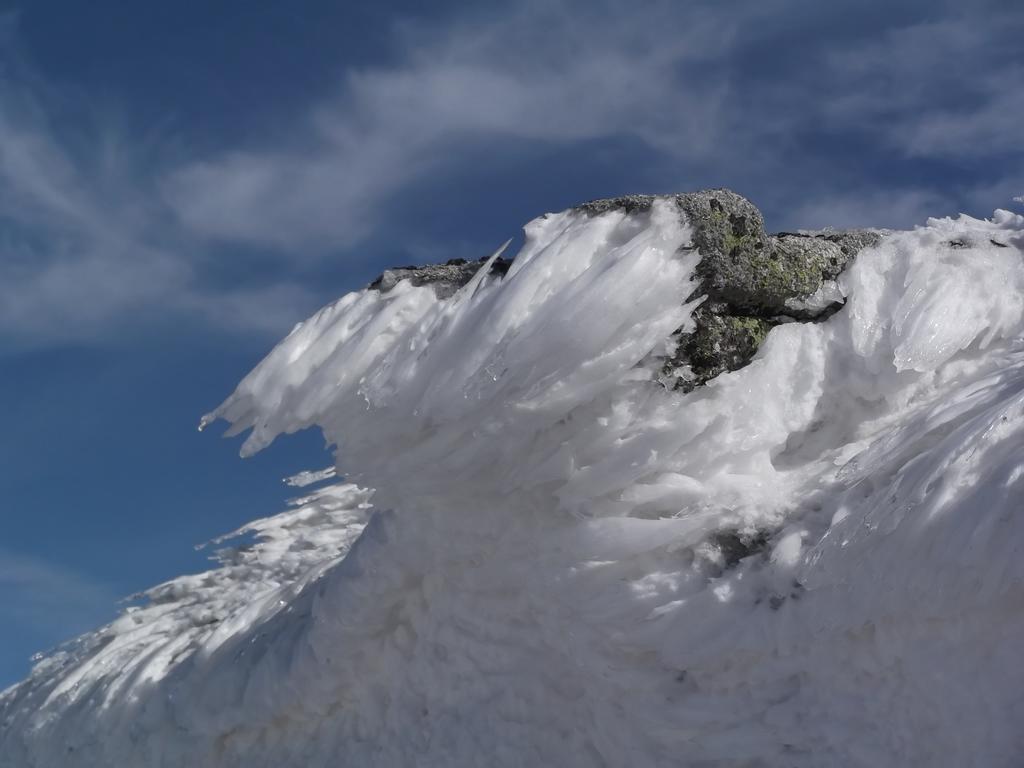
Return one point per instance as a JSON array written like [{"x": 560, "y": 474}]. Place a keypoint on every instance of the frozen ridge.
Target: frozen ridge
[{"x": 812, "y": 560}]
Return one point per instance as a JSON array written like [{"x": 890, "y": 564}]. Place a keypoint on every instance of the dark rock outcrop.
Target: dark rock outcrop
[
  {"x": 751, "y": 280},
  {"x": 446, "y": 278}
]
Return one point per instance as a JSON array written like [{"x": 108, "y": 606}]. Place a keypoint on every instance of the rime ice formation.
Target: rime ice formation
[{"x": 813, "y": 560}]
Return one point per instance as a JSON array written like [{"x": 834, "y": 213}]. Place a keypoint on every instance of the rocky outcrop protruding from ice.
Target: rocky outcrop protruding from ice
[{"x": 751, "y": 280}]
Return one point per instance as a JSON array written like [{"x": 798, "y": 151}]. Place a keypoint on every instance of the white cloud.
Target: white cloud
[
  {"x": 49, "y": 598},
  {"x": 97, "y": 230},
  {"x": 884, "y": 208},
  {"x": 990, "y": 128},
  {"x": 681, "y": 78},
  {"x": 540, "y": 72},
  {"x": 936, "y": 88},
  {"x": 84, "y": 243}
]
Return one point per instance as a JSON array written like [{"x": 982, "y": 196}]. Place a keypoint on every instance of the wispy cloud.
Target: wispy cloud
[
  {"x": 85, "y": 243},
  {"x": 50, "y": 599},
  {"x": 893, "y": 209},
  {"x": 538, "y": 71},
  {"x": 940, "y": 87},
  {"x": 687, "y": 80},
  {"x": 805, "y": 110}
]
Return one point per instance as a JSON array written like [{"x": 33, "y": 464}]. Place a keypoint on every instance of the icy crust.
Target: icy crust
[
  {"x": 814, "y": 560},
  {"x": 404, "y": 383}
]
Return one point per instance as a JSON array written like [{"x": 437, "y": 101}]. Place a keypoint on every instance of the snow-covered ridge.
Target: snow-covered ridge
[{"x": 812, "y": 560}]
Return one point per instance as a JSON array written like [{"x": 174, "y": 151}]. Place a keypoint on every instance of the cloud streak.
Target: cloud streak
[
  {"x": 684, "y": 80},
  {"x": 85, "y": 244},
  {"x": 942, "y": 87},
  {"x": 52, "y": 600},
  {"x": 801, "y": 109},
  {"x": 538, "y": 72}
]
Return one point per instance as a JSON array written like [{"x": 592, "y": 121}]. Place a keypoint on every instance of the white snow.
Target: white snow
[{"x": 541, "y": 581}]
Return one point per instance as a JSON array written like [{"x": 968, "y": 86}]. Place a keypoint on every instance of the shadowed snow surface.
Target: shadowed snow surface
[{"x": 815, "y": 560}]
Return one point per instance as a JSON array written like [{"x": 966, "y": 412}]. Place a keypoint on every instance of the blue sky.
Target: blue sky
[{"x": 180, "y": 183}]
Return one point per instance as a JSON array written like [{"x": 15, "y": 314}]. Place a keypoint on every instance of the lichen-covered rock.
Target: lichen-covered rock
[
  {"x": 751, "y": 280},
  {"x": 737, "y": 265},
  {"x": 742, "y": 266},
  {"x": 722, "y": 342}
]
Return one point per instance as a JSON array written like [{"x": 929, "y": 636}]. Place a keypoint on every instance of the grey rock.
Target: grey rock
[
  {"x": 723, "y": 341},
  {"x": 627, "y": 203},
  {"x": 445, "y": 278},
  {"x": 735, "y": 545}
]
